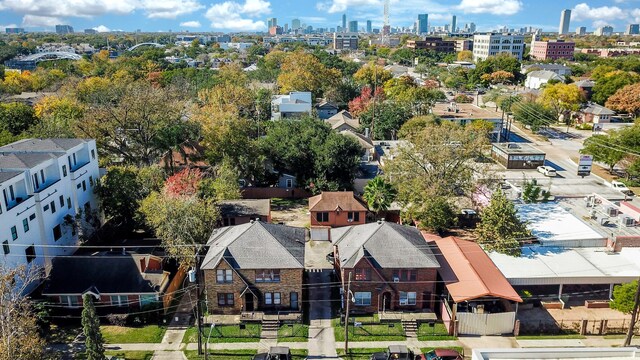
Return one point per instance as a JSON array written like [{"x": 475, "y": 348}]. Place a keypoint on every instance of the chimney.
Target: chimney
[
  {"x": 124, "y": 251},
  {"x": 366, "y": 132}
]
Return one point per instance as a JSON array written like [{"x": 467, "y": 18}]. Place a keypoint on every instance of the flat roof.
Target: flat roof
[
  {"x": 612, "y": 227},
  {"x": 518, "y": 148},
  {"x": 556, "y": 353},
  {"x": 550, "y": 265},
  {"x": 552, "y": 223},
  {"x": 465, "y": 111}
]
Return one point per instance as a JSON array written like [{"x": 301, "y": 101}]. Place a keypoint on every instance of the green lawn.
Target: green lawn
[
  {"x": 128, "y": 335},
  {"x": 546, "y": 336},
  {"x": 374, "y": 332},
  {"x": 359, "y": 354},
  {"x": 226, "y": 333},
  {"x": 222, "y": 354},
  {"x": 436, "y": 332},
  {"x": 459, "y": 349},
  {"x": 295, "y": 333},
  {"x": 62, "y": 334},
  {"x": 131, "y": 355}
]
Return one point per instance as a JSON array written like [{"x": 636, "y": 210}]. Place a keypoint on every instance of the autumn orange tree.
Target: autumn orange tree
[{"x": 626, "y": 99}]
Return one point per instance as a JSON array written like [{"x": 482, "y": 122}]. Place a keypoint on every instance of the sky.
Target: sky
[{"x": 252, "y": 15}]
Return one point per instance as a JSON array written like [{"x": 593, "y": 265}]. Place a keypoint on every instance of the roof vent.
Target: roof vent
[
  {"x": 252, "y": 221},
  {"x": 380, "y": 221}
]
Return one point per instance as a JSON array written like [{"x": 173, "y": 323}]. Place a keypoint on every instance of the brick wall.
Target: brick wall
[
  {"x": 338, "y": 219},
  {"x": 290, "y": 281}
]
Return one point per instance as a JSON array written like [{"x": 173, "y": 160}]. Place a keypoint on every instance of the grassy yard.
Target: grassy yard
[
  {"x": 547, "y": 336},
  {"x": 62, "y": 334},
  {"x": 359, "y": 354},
  {"x": 459, "y": 349},
  {"x": 238, "y": 354},
  {"x": 130, "y": 335},
  {"x": 295, "y": 333},
  {"x": 436, "y": 332},
  {"x": 369, "y": 332},
  {"x": 226, "y": 333},
  {"x": 131, "y": 355}
]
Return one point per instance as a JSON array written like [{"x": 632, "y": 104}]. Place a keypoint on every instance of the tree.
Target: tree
[
  {"x": 465, "y": 55},
  {"x": 379, "y": 195},
  {"x": 417, "y": 124},
  {"x": 19, "y": 332},
  {"x": 603, "y": 149},
  {"x": 367, "y": 98},
  {"x": 226, "y": 185},
  {"x": 562, "y": 98},
  {"x": 301, "y": 71},
  {"x": 626, "y": 298},
  {"x": 91, "y": 328},
  {"x": 499, "y": 228},
  {"x": 432, "y": 214},
  {"x": 372, "y": 75},
  {"x": 626, "y": 100},
  {"x": 16, "y": 117},
  {"x": 610, "y": 82},
  {"x": 58, "y": 116},
  {"x": 533, "y": 114},
  {"x": 498, "y": 77},
  {"x": 385, "y": 119},
  {"x": 532, "y": 193}
]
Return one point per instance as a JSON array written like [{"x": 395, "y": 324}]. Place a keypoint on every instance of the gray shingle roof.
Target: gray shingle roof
[
  {"x": 257, "y": 245},
  {"x": 593, "y": 108},
  {"x": 387, "y": 245},
  {"x": 42, "y": 145},
  {"x": 24, "y": 161},
  {"x": 7, "y": 175},
  {"x": 545, "y": 74}
]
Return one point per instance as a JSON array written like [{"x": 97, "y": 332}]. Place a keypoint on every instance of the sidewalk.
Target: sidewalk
[{"x": 172, "y": 340}]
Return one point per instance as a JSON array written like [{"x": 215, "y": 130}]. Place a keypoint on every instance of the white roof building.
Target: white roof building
[
  {"x": 536, "y": 79},
  {"x": 556, "y": 353},
  {"x": 293, "y": 105}
]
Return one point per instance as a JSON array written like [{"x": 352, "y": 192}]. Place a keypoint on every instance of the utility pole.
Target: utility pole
[
  {"x": 634, "y": 315},
  {"x": 198, "y": 318},
  {"x": 375, "y": 88},
  {"x": 346, "y": 317}
]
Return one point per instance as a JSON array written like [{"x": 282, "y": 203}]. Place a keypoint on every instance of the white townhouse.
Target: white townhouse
[{"x": 41, "y": 182}]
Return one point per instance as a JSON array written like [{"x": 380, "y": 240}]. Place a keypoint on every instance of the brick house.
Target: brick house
[
  {"x": 391, "y": 267},
  {"x": 254, "y": 267},
  {"x": 119, "y": 282},
  {"x": 335, "y": 209},
  {"x": 237, "y": 212}
]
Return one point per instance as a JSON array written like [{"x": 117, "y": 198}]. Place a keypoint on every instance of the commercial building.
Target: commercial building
[
  {"x": 45, "y": 184},
  {"x": 552, "y": 50},
  {"x": 353, "y": 26},
  {"x": 14, "y": 30},
  {"x": 465, "y": 113},
  {"x": 582, "y": 30},
  {"x": 345, "y": 41},
  {"x": 369, "y": 27},
  {"x": 272, "y": 22},
  {"x": 64, "y": 29},
  {"x": 433, "y": 43},
  {"x": 517, "y": 155},
  {"x": 295, "y": 24},
  {"x": 275, "y": 30},
  {"x": 565, "y": 19},
  {"x": 453, "y": 24},
  {"x": 633, "y": 29},
  {"x": 423, "y": 24},
  {"x": 464, "y": 45},
  {"x": 491, "y": 44},
  {"x": 604, "y": 31},
  {"x": 90, "y": 31},
  {"x": 344, "y": 22}
]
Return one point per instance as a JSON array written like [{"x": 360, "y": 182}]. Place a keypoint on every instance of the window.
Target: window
[
  {"x": 84, "y": 185},
  {"x": 68, "y": 203},
  {"x": 407, "y": 298},
  {"x": 70, "y": 301},
  {"x": 14, "y": 233},
  {"x": 362, "y": 274},
  {"x": 78, "y": 186},
  {"x": 405, "y": 275},
  {"x": 61, "y": 201},
  {"x": 42, "y": 176},
  {"x": 353, "y": 216},
  {"x": 5, "y": 247},
  {"x": 57, "y": 232},
  {"x": 322, "y": 217},
  {"x": 362, "y": 298},
  {"x": 25, "y": 224},
  {"x": 224, "y": 276},
  {"x": 90, "y": 180},
  {"x": 45, "y": 208},
  {"x": 272, "y": 299},
  {"x": 64, "y": 170},
  {"x": 270, "y": 275},
  {"x": 30, "y": 253},
  {"x": 75, "y": 161},
  {"x": 289, "y": 183},
  {"x": 225, "y": 299},
  {"x": 36, "y": 183},
  {"x": 53, "y": 207},
  {"x": 32, "y": 216},
  {"x": 119, "y": 300},
  {"x": 93, "y": 154},
  {"x": 147, "y": 299},
  {"x": 11, "y": 193},
  {"x": 229, "y": 221}
]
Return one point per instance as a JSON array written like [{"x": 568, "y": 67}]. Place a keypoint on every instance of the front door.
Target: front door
[
  {"x": 386, "y": 301},
  {"x": 248, "y": 301},
  {"x": 426, "y": 300},
  {"x": 293, "y": 297}
]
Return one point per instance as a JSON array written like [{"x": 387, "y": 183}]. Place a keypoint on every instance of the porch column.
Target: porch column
[
  {"x": 560, "y": 291},
  {"x": 610, "y": 291}
]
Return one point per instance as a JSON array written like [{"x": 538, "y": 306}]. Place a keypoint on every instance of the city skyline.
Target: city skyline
[{"x": 252, "y": 15}]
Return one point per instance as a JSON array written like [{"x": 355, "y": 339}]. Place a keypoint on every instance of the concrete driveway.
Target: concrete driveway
[
  {"x": 315, "y": 255},
  {"x": 321, "y": 339}
]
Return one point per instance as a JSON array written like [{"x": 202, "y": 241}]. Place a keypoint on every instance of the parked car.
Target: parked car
[
  {"x": 275, "y": 353},
  {"x": 547, "y": 171},
  {"x": 330, "y": 258},
  {"x": 396, "y": 352},
  {"x": 620, "y": 187},
  {"x": 443, "y": 354}
]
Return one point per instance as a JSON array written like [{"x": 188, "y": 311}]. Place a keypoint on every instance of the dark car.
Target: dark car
[
  {"x": 396, "y": 352},
  {"x": 443, "y": 354},
  {"x": 275, "y": 353},
  {"x": 330, "y": 258}
]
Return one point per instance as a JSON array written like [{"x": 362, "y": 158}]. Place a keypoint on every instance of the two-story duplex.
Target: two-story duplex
[
  {"x": 386, "y": 267},
  {"x": 44, "y": 184},
  {"x": 337, "y": 208},
  {"x": 254, "y": 267}
]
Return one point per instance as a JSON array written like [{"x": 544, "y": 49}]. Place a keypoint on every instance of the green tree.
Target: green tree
[
  {"x": 499, "y": 228},
  {"x": 532, "y": 193},
  {"x": 417, "y": 124},
  {"x": 379, "y": 194},
  {"x": 432, "y": 214},
  {"x": 389, "y": 118},
  {"x": 304, "y": 72},
  {"x": 373, "y": 76},
  {"x": 226, "y": 184},
  {"x": 562, "y": 98},
  {"x": 533, "y": 115},
  {"x": 16, "y": 117},
  {"x": 604, "y": 149},
  {"x": 625, "y": 299},
  {"x": 94, "y": 345}
]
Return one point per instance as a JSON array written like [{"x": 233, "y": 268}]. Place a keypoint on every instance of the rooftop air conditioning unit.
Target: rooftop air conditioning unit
[
  {"x": 396, "y": 279},
  {"x": 612, "y": 211},
  {"x": 628, "y": 222}
]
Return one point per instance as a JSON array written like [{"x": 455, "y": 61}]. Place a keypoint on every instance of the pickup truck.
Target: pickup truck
[
  {"x": 396, "y": 352},
  {"x": 617, "y": 185}
]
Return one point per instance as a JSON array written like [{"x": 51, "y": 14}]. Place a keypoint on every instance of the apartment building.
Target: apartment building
[
  {"x": 342, "y": 41},
  {"x": 552, "y": 50},
  {"x": 44, "y": 184},
  {"x": 491, "y": 44},
  {"x": 433, "y": 43}
]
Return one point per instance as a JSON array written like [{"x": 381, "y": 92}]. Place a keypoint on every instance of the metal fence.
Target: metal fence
[{"x": 582, "y": 327}]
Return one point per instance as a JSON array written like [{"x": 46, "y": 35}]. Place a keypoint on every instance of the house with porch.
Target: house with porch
[
  {"x": 254, "y": 267},
  {"x": 337, "y": 208},
  {"x": 476, "y": 298},
  {"x": 386, "y": 268},
  {"x": 119, "y": 281}
]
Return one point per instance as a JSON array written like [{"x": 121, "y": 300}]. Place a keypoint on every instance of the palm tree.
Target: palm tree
[{"x": 379, "y": 195}]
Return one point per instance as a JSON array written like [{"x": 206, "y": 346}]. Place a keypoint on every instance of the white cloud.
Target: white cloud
[
  {"x": 599, "y": 15},
  {"x": 101, "y": 28},
  {"x": 191, "y": 24},
  {"x": 3, "y": 27},
  {"x": 494, "y": 7},
  {"x": 232, "y": 15},
  {"x": 169, "y": 9},
  {"x": 335, "y": 6},
  {"x": 40, "y": 21}
]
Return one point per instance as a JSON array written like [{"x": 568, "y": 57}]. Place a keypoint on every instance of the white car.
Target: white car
[
  {"x": 547, "y": 171},
  {"x": 621, "y": 187}
]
